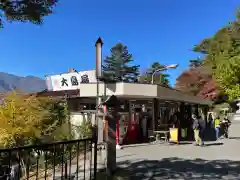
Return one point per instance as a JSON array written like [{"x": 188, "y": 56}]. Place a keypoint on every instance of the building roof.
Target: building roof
[
  {"x": 130, "y": 91},
  {"x": 60, "y": 94}
]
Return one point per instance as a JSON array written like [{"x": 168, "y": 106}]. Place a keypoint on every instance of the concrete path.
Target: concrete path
[{"x": 217, "y": 160}]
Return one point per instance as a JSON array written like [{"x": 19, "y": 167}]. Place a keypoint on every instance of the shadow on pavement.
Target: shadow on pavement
[
  {"x": 155, "y": 144},
  {"x": 237, "y": 138},
  {"x": 137, "y": 145},
  {"x": 177, "y": 168},
  {"x": 214, "y": 144},
  {"x": 125, "y": 155},
  {"x": 185, "y": 143}
]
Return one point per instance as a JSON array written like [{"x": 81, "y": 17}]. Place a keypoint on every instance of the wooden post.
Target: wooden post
[
  {"x": 112, "y": 115},
  {"x": 111, "y": 140}
]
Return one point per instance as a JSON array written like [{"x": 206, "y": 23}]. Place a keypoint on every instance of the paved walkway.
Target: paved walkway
[{"x": 217, "y": 160}]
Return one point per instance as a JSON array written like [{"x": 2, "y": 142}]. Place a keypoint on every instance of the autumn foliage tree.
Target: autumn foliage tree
[
  {"x": 209, "y": 90},
  {"x": 193, "y": 80},
  {"x": 29, "y": 120},
  {"x": 198, "y": 81},
  {"x": 222, "y": 53}
]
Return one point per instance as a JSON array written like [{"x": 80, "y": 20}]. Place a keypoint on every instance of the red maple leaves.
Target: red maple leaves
[{"x": 198, "y": 81}]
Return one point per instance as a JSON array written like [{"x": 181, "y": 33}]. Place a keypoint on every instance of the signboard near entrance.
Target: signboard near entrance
[{"x": 70, "y": 81}]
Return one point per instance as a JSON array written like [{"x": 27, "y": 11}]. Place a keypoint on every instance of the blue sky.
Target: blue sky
[{"x": 154, "y": 30}]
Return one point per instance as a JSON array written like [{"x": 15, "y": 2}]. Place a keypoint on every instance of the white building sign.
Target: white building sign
[{"x": 70, "y": 81}]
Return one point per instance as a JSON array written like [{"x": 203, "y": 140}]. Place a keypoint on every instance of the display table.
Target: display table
[{"x": 161, "y": 135}]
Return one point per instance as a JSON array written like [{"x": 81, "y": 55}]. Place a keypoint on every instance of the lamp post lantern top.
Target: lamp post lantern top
[
  {"x": 99, "y": 41},
  {"x": 172, "y": 66}
]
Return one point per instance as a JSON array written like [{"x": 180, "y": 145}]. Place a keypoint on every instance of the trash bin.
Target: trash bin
[{"x": 184, "y": 132}]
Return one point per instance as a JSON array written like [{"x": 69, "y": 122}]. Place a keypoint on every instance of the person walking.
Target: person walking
[
  {"x": 202, "y": 128},
  {"x": 210, "y": 121},
  {"x": 225, "y": 124},
  {"x": 198, "y": 128},
  {"x": 217, "y": 126}
]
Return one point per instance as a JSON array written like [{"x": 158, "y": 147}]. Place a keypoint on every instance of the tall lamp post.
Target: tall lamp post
[
  {"x": 172, "y": 66},
  {"x": 111, "y": 104},
  {"x": 98, "y": 46}
]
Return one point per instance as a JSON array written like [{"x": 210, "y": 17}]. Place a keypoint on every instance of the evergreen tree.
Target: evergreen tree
[
  {"x": 25, "y": 10},
  {"x": 117, "y": 66},
  {"x": 159, "y": 78}
]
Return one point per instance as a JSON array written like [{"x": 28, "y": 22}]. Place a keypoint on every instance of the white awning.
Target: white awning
[{"x": 139, "y": 91}]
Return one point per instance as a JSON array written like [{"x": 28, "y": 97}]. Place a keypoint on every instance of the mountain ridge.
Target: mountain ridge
[{"x": 28, "y": 83}]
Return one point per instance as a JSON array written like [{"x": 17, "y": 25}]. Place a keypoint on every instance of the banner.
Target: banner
[{"x": 70, "y": 81}]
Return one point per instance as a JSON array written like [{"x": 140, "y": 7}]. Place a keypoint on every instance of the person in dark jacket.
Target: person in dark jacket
[
  {"x": 210, "y": 121},
  {"x": 202, "y": 128},
  {"x": 198, "y": 128}
]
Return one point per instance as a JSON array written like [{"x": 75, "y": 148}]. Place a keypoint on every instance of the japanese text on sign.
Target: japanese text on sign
[{"x": 70, "y": 81}]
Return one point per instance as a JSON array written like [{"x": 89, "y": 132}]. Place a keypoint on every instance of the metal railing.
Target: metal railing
[{"x": 72, "y": 159}]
